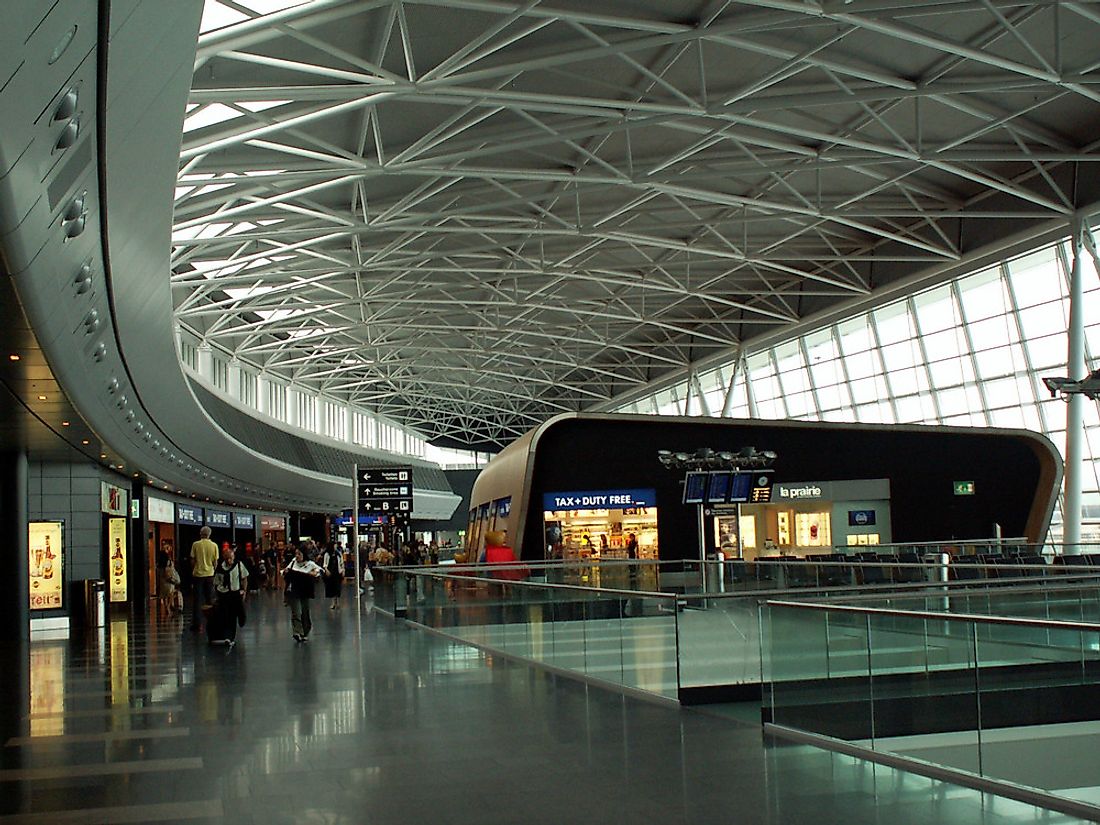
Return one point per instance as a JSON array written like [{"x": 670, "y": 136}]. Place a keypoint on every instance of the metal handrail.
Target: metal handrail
[
  {"x": 778, "y": 560},
  {"x": 436, "y": 573},
  {"x": 879, "y": 589},
  {"x": 1052, "y": 584},
  {"x": 977, "y": 618}
]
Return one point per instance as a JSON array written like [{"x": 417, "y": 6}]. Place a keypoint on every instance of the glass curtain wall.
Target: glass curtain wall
[{"x": 972, "y": 352}]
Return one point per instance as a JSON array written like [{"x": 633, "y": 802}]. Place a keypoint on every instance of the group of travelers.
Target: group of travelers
[
  {"x": 219, "y": 580},
  {"x": 412, "y": 552}
]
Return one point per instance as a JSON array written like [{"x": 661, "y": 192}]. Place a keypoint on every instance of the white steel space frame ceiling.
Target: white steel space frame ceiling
[{"x": 470, "y": 215}]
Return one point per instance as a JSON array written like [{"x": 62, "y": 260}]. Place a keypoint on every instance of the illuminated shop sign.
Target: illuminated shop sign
[
  {"x": 599, "y": 500},
  {"x": 795, "y": 493},
  {"x": 861, "y": 518},
  {"x": 364, "y": 521},
  {"x": 46, "y": 572},
  {"x": 186, "y": 514},
  {"x": 217, "y": 518},
  {"x": 244, "y": 521},
  {"x": 160, "y": 510},
  {"x": 272, "y": 523}
]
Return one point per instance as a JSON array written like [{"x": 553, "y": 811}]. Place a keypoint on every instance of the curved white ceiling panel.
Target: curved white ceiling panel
[{"x": 85, "y": 218}]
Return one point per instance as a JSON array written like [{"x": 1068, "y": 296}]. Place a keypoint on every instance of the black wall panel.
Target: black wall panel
[{"x": 598, "y": 454}]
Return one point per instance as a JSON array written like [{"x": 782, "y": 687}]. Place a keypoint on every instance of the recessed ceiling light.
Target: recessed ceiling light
[
  {"x": 41, "y": 398},
  {"x": 103, "y": 455},
  {"x": 13, "y": 357},
  {"x": 85, "y": 441},
  {"x": 64, "y": 423}
]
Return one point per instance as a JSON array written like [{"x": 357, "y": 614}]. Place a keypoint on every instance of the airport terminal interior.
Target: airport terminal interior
[{"x": 519, "y": 411}]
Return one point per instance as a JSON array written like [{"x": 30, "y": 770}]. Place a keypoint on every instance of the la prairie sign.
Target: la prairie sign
[{"x": 806, "y": 491}]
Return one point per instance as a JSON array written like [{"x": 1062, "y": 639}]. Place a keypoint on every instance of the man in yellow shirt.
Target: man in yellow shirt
[{"x": 204, "y": 555}]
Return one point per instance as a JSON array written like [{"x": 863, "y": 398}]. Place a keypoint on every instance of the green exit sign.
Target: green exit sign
[{"x": 964, "y": 488}]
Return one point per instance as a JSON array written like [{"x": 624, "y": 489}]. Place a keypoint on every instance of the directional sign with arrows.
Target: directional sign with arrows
[{"x": 386, "y": 491}]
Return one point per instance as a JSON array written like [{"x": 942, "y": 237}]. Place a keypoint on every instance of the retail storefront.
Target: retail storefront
[
  {"x": 244, "y": 535},
  {"x": 599, "y": 523},
  {"x": 161, "y": 537},
  {"x": 805, "y": 517},
  {"x": 272, "y": 532}
]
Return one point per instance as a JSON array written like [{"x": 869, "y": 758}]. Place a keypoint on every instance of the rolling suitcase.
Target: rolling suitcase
[{"x": 215, "y": 632}]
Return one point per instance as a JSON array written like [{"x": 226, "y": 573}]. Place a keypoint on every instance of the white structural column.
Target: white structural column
[
  {"x": 704, "y": 407},
  {"x": 293, "y": 399},
  {"x": 233, "y": 379},
  {"x": 261, "y": 395},
  {"x": 206, "y": 363},
  {"x": 727, "y": 403},
  {"x": 750, "y": 396},
  {"x": 349, "y": 424},
  {"x": 1075, "y": 415}
]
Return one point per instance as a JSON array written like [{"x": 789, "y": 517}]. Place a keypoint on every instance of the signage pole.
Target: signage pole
[{"x": 353, "y": 534}]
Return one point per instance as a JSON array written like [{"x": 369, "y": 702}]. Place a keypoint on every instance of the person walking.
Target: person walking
[
  {"x": 231, "y": 589},
  {"x": 169, "y": 588},
  {"x": 301, "y": 574},
  {"x": 333, "y": 565},
  {"x": 204, "y": 555}
]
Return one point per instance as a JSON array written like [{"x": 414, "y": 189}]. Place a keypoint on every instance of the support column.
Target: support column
[
  {"x": 1075, "y": 415},
  {"x": 233, "y": 379},
  {"x": 206, "y": 363},
  {"x": 727, "y": 402},
  {"x": 349, "y": 424},
  {"x": 14, "y": 564},
  {"x": 14, "y": 616},
  {"x": 750, "y": 396},
  {"x": 704, "y": 407},
  {"x": 261, "y": 395},
  {"x": 292, "y": 399}
]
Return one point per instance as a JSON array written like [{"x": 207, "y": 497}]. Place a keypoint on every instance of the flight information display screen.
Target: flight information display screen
[
  {"x": 718, "y": 488},
  {"x": 740, "y": 488},
  {"x": 695, "y": 486}
]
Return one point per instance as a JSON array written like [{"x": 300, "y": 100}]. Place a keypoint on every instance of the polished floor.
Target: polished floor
[{"x": 372, "y": 721}]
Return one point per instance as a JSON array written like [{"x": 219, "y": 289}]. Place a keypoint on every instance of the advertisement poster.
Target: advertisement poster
[
  {"x": 112, "y": 499},
  {"x": 44, "y": 545},
  {"x": 116, "y": 558}
]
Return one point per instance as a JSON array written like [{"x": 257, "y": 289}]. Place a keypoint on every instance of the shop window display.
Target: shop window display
[
  {"x": 600, "y": 533},
  {"x": 813, "y": 530}
]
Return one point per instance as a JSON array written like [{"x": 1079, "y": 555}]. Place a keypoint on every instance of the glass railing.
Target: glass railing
[
  {"x": 672, "y": 643},
  {"x": 621, "y": 637},
  {"x": 964, "y": 692},
  {"x": 1067, "y": 597}
]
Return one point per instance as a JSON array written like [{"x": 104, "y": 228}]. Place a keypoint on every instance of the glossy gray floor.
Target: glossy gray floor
[{"x": 374, "y": 722}]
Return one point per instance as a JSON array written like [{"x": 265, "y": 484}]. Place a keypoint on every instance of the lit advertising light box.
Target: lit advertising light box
[
  {"x": 46, "y": 585},
  {"x": 116, "y": 558}
]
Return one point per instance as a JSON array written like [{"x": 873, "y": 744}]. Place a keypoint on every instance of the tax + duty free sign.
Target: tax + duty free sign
[{"x": 599, "y": 499}]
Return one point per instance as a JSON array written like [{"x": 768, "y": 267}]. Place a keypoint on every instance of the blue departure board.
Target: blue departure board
[
  {"x": 718, "y": 488},
  {"x": 740, "y": 488},
  {"x": 695, "y": 486}
]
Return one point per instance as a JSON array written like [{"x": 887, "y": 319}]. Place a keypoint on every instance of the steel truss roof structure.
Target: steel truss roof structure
[{"x": 469, "y": 215}]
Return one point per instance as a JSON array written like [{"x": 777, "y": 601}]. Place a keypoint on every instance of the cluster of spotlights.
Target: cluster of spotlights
[{"x": 747, "y": 458}]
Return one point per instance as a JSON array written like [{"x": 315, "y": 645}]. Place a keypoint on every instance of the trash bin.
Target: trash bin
[{"x": 93, "y": 603}]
